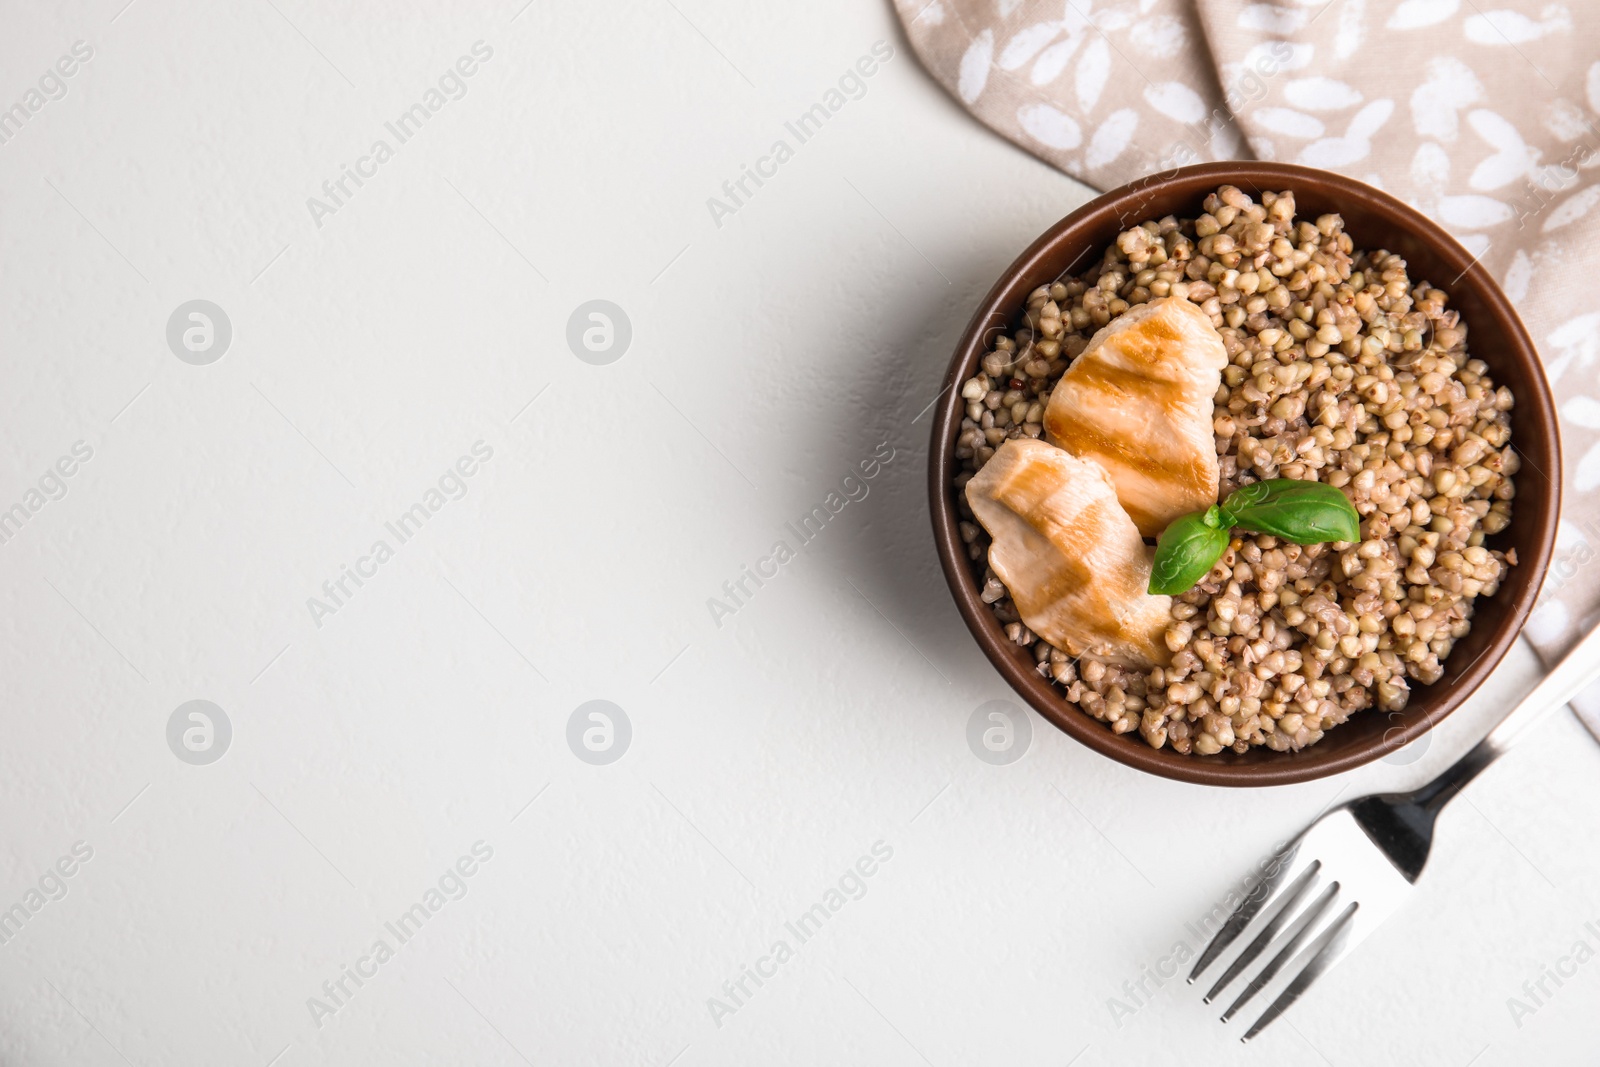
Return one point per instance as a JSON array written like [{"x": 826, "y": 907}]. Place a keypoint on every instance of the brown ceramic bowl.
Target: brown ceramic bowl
[{"x": 1495, "y": 334}]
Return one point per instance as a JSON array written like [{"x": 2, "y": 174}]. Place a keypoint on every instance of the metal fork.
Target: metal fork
[{"x": 1326, "y": 890}]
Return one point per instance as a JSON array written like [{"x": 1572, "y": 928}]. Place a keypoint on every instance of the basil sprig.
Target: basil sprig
[
  {"x": 1306, "y": 513},
  {"x": 1187, "y": 551}
]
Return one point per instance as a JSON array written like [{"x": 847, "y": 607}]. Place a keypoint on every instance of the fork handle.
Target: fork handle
[{"x": 1572, "y": 675}]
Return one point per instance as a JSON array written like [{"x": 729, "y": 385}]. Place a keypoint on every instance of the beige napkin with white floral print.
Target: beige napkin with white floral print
[{"x": 1485, "y": 117}]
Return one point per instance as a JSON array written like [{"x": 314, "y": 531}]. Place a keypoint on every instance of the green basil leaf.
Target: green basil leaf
[
  {"x": 1186, "y": 552},
  {"x": 1306, "y": 513}
]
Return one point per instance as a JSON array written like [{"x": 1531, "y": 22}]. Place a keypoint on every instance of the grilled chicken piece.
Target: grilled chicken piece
[
  {"x": 1138, "y": 401},
  {"x": 1074, "y": 563}
]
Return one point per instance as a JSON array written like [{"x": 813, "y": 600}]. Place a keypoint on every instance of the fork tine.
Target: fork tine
[
  {"x": 1324, "y": 954},
  {"x": 1247, "y": 909},
  {"x": 1301, "y": 929},
  {"x": 1290, "y": 898}
]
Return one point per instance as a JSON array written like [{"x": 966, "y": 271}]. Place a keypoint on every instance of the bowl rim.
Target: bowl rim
[{"x": 1041, "y": 695}]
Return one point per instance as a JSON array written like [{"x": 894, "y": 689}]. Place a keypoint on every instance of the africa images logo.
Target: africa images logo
[
  {"x": 999, "y": 733},
  {"x": 452, "y": 85}
]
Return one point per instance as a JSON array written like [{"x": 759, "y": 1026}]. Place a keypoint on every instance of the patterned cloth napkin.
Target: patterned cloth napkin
[{"x": 1486, "y": 118}]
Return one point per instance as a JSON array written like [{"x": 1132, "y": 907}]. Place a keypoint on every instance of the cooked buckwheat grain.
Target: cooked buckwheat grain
[{"x": 1342, "y": 370}]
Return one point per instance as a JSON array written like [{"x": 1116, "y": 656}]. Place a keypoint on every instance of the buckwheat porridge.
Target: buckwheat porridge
[{"x": 1335, "y": 367}]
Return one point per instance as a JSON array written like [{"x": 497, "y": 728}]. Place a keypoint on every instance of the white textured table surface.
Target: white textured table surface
[{"x": 419, "y": 719}]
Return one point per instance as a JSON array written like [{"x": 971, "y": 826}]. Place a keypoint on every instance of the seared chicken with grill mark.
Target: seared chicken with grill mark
[
  {"x": 1138, "y": 401},
  {"x": 1073, "y": 561}
]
